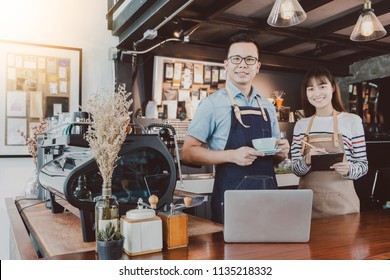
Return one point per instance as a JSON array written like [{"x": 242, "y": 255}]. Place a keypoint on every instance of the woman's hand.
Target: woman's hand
[{"x": 341, "y": 167}]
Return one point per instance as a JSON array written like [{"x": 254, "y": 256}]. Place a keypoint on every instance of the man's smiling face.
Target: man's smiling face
[{"x": 242, "y": 74}]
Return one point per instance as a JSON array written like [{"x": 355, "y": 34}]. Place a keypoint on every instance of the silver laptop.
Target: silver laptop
[{"x": 267, "y": 215}]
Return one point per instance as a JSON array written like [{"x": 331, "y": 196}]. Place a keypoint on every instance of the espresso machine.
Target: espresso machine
[{"x": 71, "y": 176}]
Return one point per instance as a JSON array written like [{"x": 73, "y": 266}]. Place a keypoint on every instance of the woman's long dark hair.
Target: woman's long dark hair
[{"x": 321, "y": 75}]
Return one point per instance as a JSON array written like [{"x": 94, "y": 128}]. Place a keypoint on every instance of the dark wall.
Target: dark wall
[
  {"x": 266, "y": 82},
  {"x": 384, "y": 100}
]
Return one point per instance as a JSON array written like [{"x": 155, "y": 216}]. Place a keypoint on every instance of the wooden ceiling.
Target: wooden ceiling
[{"x": 323, "y": 38}]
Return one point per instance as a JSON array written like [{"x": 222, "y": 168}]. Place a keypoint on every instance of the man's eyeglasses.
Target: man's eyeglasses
[{"x": 236, "y": 59}]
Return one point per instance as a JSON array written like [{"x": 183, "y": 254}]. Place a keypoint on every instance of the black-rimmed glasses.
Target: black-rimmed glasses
[{"x": 236, "y": 59}]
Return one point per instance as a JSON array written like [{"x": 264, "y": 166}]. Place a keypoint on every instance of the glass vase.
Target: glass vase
[
  {"x": 31, "y": 188},
  {"x": 106, "y": 211}
]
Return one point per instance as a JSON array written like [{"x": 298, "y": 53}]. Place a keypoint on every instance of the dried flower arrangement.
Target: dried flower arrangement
[
  {"x": 110, "y": 116},
  {"x": 32, "y": 142}
]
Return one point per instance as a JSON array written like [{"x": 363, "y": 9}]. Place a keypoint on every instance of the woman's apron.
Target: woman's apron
[
  {"x": 247, "y": 123},
  {"x": 333, "y": 195}
]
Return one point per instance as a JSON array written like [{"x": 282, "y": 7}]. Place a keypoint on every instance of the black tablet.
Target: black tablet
[{"x": 325, "y": 161}]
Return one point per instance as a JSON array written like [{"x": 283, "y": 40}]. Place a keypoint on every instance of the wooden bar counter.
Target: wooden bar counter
[{"x": 365, "y": 235}]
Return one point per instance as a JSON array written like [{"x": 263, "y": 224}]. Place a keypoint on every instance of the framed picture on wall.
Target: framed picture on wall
[
  {"x": 214, "y": 76},
  {"x": 187, "y": 77},
  {"x": 222, "y": 74},
  {"x": 168, "y": 72},
  {"x": 207, "y": 74},
  {"x": 198, "y": 73},
  {"x": 36, "y": 81}
]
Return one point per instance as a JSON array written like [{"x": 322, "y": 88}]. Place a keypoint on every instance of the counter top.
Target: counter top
[
  {"x": 205, "y": 185},
  {"x": 364, "y": 235}
]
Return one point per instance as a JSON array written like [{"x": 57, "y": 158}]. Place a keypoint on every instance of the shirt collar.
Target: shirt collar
[{"x": 235, "y": 91}]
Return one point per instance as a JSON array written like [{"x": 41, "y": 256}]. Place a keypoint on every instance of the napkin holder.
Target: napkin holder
[{"x": 142, "y": 230}]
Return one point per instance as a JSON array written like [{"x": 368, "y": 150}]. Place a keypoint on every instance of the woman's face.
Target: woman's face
[{"x": 319, "y": 93}]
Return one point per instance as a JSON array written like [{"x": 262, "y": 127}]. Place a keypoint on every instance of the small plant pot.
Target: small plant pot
[{"x": 110, "y": 250}]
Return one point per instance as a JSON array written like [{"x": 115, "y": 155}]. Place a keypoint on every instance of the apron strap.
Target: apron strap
[
  {"x": 236, "y": 109},
  {"x": 335, "y": 131},
  {"x": 306, "y": 137},
  {"x": 261, "y": 108}
]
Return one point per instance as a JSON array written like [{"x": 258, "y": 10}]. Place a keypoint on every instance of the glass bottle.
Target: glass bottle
[
  {"x": 106, "y": 210},
  {"x": 181, "y": 110},
  {"x": 81, "y": 192},
  {"x": 165, "y": 112}
]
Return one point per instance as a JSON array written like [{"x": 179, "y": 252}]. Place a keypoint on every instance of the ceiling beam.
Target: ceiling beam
[
  {"x": 321, "y": 50},
  {"x": 152, "y": 18},
  {"x": 309, "y": 5},
  {"x": 332, "y": 26},
  {"x": 133, "y": 11},
  {"x": 352, "y": 58},
  {"x": 295, "y": 32},
  {"x": 112, "y": 7},
  {"x": 284, "y": 44},
  {"x": 217, "y": 8},
  {"x": 347, "y": 20},
  {"x": 302, "y": 64},
  {"x": 200, "y": 51}
]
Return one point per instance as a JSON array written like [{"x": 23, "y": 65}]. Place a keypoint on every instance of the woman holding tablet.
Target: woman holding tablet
[{"x": 318, "y": 140}]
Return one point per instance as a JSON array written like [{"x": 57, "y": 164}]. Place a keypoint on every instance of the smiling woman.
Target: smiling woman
[{"x": 328, "y": 128}]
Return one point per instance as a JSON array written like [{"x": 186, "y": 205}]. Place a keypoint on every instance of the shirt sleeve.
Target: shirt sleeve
[
  {"x": 299, "y": 166},
  {"x": 203, "y": 122},
  {"x": 274, "y": 122},
  {"x": 358, "y": 157}
]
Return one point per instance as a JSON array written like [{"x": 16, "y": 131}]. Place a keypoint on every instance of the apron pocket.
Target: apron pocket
[{"x": 331, "y": 204}]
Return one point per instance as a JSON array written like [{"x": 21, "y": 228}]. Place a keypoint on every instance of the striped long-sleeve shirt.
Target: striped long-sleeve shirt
[{"x": 351, "y": 128}]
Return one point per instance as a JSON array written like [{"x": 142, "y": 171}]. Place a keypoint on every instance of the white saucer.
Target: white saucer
[{"x": 270, "y": 152}]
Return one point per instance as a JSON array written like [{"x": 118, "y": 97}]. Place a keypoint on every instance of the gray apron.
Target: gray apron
[{"x": 333, "y": 195}]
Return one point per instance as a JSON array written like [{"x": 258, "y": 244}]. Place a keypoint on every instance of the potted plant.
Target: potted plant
[
  {"x": 109, "y": 119},
  {"x": 109, "y": 243}
]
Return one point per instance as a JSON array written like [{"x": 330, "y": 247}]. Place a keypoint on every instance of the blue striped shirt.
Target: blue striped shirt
[{"x": 351, "y": 128}]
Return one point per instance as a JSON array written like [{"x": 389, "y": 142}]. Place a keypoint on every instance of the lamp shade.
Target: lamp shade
[
  {"x": 368, "y": 27},
  {"x": 286, "y": 13}
]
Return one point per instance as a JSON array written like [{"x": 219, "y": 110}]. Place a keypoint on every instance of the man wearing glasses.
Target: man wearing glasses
[{"x": 228, "y": 120}]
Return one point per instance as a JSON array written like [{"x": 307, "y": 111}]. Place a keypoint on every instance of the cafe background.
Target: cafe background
[
  {"x": 68, "y": 23},
  {"x": 83, "y": 24}
]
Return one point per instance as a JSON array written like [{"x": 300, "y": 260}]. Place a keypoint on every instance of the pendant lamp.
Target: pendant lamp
[
  {"x": 286, "y": 13},
  {"x": 368, "y": 27}
]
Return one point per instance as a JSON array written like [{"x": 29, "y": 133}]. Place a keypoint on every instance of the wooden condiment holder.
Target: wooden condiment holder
[{"x": 175, "y": 229}]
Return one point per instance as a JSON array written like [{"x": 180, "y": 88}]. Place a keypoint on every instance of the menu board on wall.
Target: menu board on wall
[
  {"x": 185, "y": 79},
  {"x": 36, "y": 81}
]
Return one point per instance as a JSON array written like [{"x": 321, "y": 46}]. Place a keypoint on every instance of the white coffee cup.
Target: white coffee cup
[{"x": 264, "y": 144}]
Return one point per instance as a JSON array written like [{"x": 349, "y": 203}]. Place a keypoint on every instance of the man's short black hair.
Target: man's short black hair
[{"x": 242, "y": 38}]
